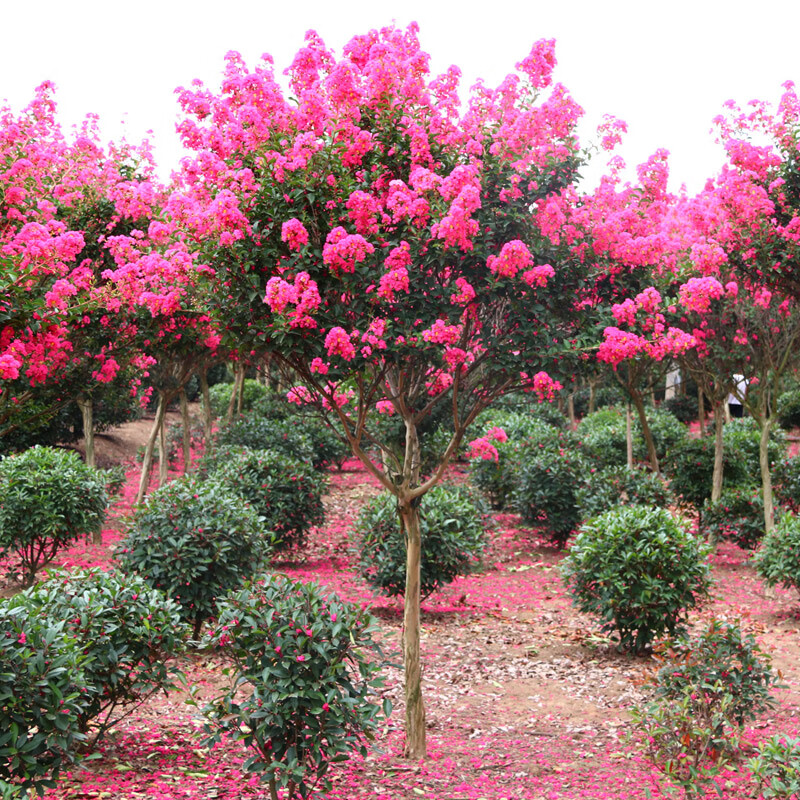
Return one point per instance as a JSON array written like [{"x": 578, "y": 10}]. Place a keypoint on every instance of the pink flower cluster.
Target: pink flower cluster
[
  {"x": 465, "y": 294},
  {"x": 542, "y": 385},
  {"x": 294, "y": 233},
  {"x": 514, "y": 256},
  {"x": 481, "y": 448},
  {"x": 539, "y": 275},
  {"x": 697, "y": 293},
  {"x": 303, "y": 295},
  {"x": 342, "y": 251},
  {"x": 337, "y": 343},
  {"x": 442, "y": 333}
]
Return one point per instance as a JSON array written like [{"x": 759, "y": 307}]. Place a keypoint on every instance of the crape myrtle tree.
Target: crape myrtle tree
[{"x": 376, "y": 236}]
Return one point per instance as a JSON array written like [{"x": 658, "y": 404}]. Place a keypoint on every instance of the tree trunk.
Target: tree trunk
[
  {"x": 646, "y": 432},
  {"x": 147, "y": 461},
  {"x": 186, "y": 424},
  {"x": 701, "y": 411},
  {"x": 716, "y": 482},
  {"x": 208, "y": 419},
  {"x": 238, "y": 380},
  {"x": 571, "y": 411},
  {"x": 86, "y": 406},
  {"x": 415, "y": 747},
  {"x": 628, "y": 435},
  {"x": 592, "y": 392},
  {"x": 163, "y": 458},
  {"x": 766, "y": 476}
]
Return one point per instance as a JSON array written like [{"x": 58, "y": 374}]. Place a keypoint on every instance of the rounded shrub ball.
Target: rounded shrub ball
[
  {"x": 284, "y": 492},
  {"x": 778, "y": 560},
  {"x": 48, "y": 499},
  {"x": 195, "y": 541},
  {"x": 453, "y": 530},
  {"x": 260, "y": 433},
  {"x": 606, "y": 488},
  {"x": 638, "y": 571},
  {"x": 738, "y": 515},
  {"x": 128, "y": 630}
]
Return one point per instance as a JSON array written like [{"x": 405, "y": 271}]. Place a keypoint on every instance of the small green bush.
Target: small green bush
[
  {"x": 638, "y": 571},
  {"x": 308, "y": 665},
  {"x": 685, "y": 408},
  {"x": 720, "y": 661},
  {"x": 48, "y": 499},
  {"x": 260, "y": 433},
  {"x": 604, "y": 396},
  {"x": 789, "y": 408},
  {"x": 546, "y": 490},
  {"x": 127, "y": 629},
  {"x": 778, "y": 560},
  {"x": 220, "y": 396},
  {"x": 786, "y": 482},
  {"x": 741, "y": 439},
  {"x": 776, "y": 768},
  {"x": 738, "y": 515},
  {"x": 195, "y": 541},
  {"x": 285, "y": 493},
  {"x": 666, "y": 429},
  {"x": 42, "y": 698},
  {"x": 606, "y": 488},
  {"x": 453, "y": 526},
  {"x": 602, "y": 437}
]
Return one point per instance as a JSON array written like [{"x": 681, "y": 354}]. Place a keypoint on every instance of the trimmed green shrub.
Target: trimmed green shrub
[
  {"x": 545, "y": 493},
  {"x": 776, "y": 768},
  {"x": 685, "y": 408},
  {"x": 666, "y": 429},
  {"x": 42, "y": 698},
  {"x": 127, "y": 630},
  {"x": 602, "y": 437},
  {"x": 604, "y": 396},
  {"x": 453, "y": 526},
  {"x": 195, "y": 541},
  {"x": 778, "y": 560},
  {"x": 638, "y": 570},
  {"x": 285, "y": 493},
  {"x": 48, "y": 499},
  {"x": 786, "y": 482},
  {"x": 308, "y": 665},
  {"x": 220, "y": 396},
  {"x": 741, "y": 439},
  {"x": 789, "y": 408},
  {"x": 604, "y": 489},
  {"x": 720, "y": 661},
  {"x": 738, "y": 515},
  {"x": 259, "y": 433}
]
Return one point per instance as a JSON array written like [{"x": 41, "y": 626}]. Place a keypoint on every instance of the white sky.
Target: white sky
[{"x": 664, "y": 67}]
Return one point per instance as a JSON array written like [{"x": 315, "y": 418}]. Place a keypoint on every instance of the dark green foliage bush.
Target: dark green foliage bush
[
  {"x": 720, "y": 661},
  {"x": 741, "y": 439},
  {"x": 690, "y": 468},
  {"x": 606, "y": 488},
  {"x": 786, "y": 482},
  {"x": 497, "y": 479},
  {"x": 778, "y": 560},
  {"x": 602, "y": 437},
  {"x": 738, "y": 515},
  {"x": 638, "y": 571},
  {"x": 48, "y": 499},
  {"x": 127, "y": 630},
  {"x": 285, "y": 493},
  {"x": 546, "y": 487},
  {"x": 604, "y": 396},
  {"x": 789, "y": 408},
  {"x": 220, "y": 396},
  {"x": 685, "y": 408},
  {"x": 453, "y": 526},
  {"x": 42, "y": 698},
  {"x": 666, "y": 429},
  {"x": 305, "y": 673},
  {"x": 195, "y": 541},
  {"x": 260, "y": 433},
  {"x": 776, "y": 768}
]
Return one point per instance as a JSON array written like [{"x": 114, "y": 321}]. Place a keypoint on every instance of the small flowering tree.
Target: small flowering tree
[{"x": 379, "y": 242}]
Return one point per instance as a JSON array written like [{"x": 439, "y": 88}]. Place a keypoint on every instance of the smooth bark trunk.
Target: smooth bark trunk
[
  {"x": 592, "y": 392},
  {"x": 86, "y": 406},
  {"x": 701, "y": 411},
  {"x": 716, "y": 481},
  {"x": 571, "y": 411},
  {"x": 236, "y": 390},
  {"x": 208, "y": 418},
  {"x": 646, "y": 432},
  {"x": 186, "y": 424},
  {"x": 628, "y": 436},
  {"x": 163, "y": 458},
  {"x": 766, "y": 476},
  {"x": 147, "y": 461}
]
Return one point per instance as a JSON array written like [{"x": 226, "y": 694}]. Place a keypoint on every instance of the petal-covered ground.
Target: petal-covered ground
[{"x": 525, "y": 698}]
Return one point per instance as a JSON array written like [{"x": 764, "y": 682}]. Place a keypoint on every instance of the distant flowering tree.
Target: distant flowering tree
[{"x": 378, "y": 239}]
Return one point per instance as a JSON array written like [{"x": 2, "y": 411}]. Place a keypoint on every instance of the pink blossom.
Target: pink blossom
[
  {"x": 539, "y": 275},
  {"x": 465, "y": 295},
  {"x": 514, "y": 256},
  {"x": 697, "y": 293},
  {"x": 337, "y": 342},
  {"x": 294, "y": 233},
  {"x": 342, "y": 251},
  {"x": 482, "y": 448},
  {"x": 442, "y": 333}
]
